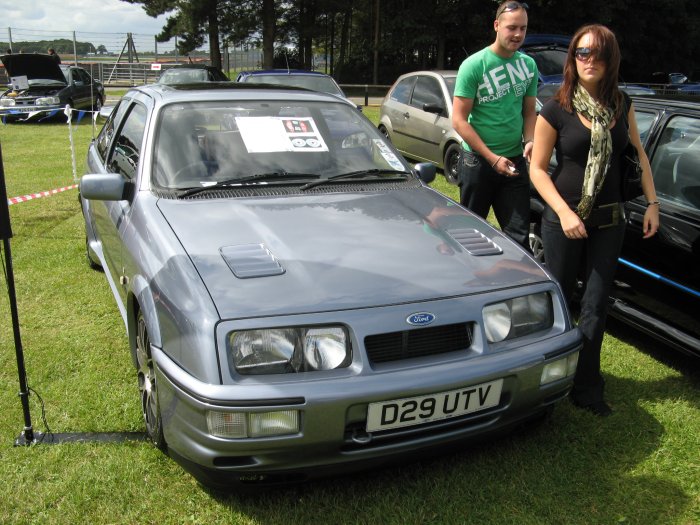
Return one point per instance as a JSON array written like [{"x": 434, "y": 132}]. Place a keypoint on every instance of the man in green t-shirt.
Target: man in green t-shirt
[{"x": 494, "y": 113}]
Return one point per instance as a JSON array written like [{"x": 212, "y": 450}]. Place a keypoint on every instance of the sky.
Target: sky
[{"x": 81, "y": 16}]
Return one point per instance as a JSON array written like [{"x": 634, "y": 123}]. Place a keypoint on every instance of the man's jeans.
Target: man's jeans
[
  {"x": 594, "y": 260},
  {"x": 481, "y": 187}
]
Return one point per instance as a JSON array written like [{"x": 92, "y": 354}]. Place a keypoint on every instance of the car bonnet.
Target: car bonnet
[
  {"x": 33, "y": 66},
  {"x": 274, "y": 256}
]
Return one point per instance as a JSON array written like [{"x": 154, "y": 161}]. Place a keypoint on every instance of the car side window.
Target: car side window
[
  {"x": 427, "y": 91},
  {"x": 125, "y": 156},
  {"x": 676, "y": 162},
  {"x": 104, "y": 139},
  {"x": 402, "y": 91},
  {"x": 645, "y": 119}
]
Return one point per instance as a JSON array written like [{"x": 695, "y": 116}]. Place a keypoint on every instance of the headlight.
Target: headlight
[
  {"x": 7, "y": 102},
  {"x": 518, "y": 317},
  {"x": 48, "y": 101},
  {"x": 289, "y": 350}
]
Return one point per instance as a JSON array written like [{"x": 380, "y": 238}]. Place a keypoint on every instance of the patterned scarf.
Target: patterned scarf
[{"x": 601, "y": 147}]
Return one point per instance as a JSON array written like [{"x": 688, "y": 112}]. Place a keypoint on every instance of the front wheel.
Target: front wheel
[
  {"x": 535, "y": 240},
  {"x": 148, "y": 386},
  {"x": 451, "y": 163}
]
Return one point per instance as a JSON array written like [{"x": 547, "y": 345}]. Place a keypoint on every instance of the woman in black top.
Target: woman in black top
[{"x": 583, "y": 225}]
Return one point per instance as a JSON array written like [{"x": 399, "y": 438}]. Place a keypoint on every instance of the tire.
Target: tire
[
  {"x": 97, "y": 106},
  {"x": 384, "y": 132},
  {"x": 148, "y": 386},
  {"x": 535, "y": 241},
  {"x": 451, "y": 163}
]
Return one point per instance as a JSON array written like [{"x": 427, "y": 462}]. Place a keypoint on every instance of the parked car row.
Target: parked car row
[
  {"x": 657, "y": 287},
  {"x": 278, "y": 331}
]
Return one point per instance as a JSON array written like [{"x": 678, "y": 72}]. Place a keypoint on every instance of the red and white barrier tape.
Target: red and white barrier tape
[{"x": 15, "y": 200}]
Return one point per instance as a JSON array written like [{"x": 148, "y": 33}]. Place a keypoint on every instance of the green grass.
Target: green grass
[{"x": 639, "y": 466}]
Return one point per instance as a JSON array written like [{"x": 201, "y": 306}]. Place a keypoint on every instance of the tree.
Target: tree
[{"x": 191, "y": 21}]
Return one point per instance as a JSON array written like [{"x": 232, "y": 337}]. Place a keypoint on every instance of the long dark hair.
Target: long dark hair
[{"x": 608, "y": 51}]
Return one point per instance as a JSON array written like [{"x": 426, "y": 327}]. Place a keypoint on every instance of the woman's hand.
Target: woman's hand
[
  {"x": 651, "y": 221},
  {"x": 572, "y": 225}
]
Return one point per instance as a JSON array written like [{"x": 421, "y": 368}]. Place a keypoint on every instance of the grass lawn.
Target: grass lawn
[{"x": 639, "y": 466}]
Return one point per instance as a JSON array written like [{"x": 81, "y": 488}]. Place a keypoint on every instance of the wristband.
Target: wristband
[
  {"x": 494, "y": 164},
  {"x": 652, "y": 203}
]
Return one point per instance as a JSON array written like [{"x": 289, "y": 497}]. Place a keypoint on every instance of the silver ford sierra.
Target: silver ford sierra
[{"x": 298, "y": 301}]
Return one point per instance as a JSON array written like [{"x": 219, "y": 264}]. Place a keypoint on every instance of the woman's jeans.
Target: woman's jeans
[
  {"x": 482, "y": 187},
  {"x": 594, "y": 260}
]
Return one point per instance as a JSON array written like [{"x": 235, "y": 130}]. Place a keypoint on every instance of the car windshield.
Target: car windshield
[
  {"x": 315, "y": 82},
  {"x": 183, "y": 76},
  {"x": 550, "y": 61},
  {"x": 202, "y": 144}
]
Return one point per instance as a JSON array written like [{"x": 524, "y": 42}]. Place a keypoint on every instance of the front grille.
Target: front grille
[{"x": 395, "y": 346}]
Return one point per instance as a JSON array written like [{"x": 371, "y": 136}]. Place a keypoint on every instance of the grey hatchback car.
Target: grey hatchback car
[
  {"x": 298, "y": 302},
  {"x": 416, "y": 115}
]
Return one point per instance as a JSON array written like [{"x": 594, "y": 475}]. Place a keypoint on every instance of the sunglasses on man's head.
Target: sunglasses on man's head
[
  {"x": 511, "y": 6},
  {"x": 584, "y": 53}
]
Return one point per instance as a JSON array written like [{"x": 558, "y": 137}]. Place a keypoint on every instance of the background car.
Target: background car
[
  {"x": 416, "y": 115},
  {"x": 49, "y": 87},
  {"x": 657, "y": 286},
  {"x": 549, "y": 53},
  {"x": 298, "y": 301},
  {"x": 191, "y": 73},
  {"x": 314, "y": 80}
]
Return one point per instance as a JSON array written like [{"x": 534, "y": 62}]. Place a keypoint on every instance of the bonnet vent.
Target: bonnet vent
[
  {"x": 475, "y": 242},
  {"x": 251, "y": 260}
]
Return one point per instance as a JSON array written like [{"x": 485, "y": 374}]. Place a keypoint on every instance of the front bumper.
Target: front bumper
[{"x": 333, "y": 413}]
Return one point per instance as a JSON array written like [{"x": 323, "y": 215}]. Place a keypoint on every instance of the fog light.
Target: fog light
[
  {"x": 238, "y": 425},
  {"x": 559, "y": 369},
  {"x": 273, "y": 423}
]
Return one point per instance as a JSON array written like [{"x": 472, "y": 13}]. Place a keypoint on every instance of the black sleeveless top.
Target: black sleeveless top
[{"x": 572, "y": 145}]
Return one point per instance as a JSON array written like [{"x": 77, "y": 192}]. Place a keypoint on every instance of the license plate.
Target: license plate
[{"x": 411, "y": 411}]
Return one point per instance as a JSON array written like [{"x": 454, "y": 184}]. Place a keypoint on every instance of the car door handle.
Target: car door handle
[{"x": 406, "y": 115}]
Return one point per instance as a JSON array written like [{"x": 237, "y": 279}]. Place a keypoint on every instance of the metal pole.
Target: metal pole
[
  {"x": 9, "y": 38},
  {"x": 75, "y": 51}
]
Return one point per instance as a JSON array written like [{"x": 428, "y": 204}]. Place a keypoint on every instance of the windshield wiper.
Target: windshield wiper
[
  {"x": 258, "y": 177},
  {"x": 356, "y": 174}
]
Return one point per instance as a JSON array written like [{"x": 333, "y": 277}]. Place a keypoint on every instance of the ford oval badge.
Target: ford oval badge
[{"x": 420, "y": 318}]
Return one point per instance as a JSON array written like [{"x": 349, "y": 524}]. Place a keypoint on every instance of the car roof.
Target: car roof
[
  {"x": 190, "y": 66},
  {"x": 205, "y": 91},
  {"x": 33, "y": 66},
  {"x": 283, "y": 72},
  {"x": 546, "y": 39}
]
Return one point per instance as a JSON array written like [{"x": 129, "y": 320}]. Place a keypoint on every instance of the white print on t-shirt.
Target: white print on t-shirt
[{"x": 499, "y": 81}]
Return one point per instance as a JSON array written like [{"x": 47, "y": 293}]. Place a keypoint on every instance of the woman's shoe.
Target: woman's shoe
[{"x": 599, "y": 408}]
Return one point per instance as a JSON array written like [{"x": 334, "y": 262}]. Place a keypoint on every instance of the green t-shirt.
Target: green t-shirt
[{"x": 497, "y": 85}]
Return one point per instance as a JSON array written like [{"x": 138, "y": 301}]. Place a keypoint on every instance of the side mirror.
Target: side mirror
[
  {"x": 105, "y": 112},
  {"x": 426, "y": 171},
  {"x": 107, "y": 187}
]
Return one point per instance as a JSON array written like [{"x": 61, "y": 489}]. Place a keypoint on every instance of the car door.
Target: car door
[
  {"x": 662, "y": 273},
  {"x": 125, "y": 134},
  {"x": 398, "y": 111},
  {"x": 80, "y": 87},
  {"x": 425, "y": 129}
]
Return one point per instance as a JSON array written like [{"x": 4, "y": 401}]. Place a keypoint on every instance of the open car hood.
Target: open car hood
[{"x": 33, "y": 66}]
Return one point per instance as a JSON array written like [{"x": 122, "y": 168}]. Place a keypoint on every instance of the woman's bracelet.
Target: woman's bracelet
[
  {"x": 494, "y": 164},
  {"x": 652, "y": 203}
]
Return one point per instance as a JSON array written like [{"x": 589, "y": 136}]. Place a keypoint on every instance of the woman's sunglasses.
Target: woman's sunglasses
[
  {"x": 511, "y": 6},
  {"x": 584, "y": 53}
]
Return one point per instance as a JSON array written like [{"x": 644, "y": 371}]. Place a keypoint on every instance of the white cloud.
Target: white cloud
[{"x": 33, "y": 19}]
